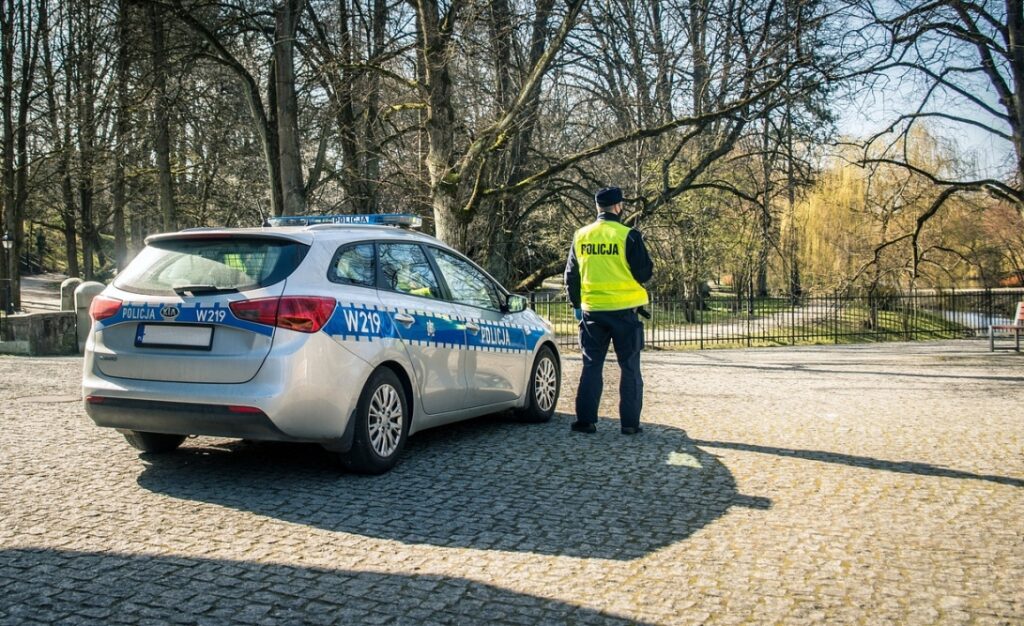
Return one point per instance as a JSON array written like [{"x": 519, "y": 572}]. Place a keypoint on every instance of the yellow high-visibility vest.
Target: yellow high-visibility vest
[
  {"x": 606, "y": 284},
  {"x": 234, "y": 261}
]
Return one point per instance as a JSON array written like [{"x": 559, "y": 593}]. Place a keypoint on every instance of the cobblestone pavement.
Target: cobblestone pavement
[{"x": 855, "y": 484}]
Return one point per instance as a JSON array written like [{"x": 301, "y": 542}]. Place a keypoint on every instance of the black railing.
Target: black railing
[
  {"x": 6, "y": 305},
  {"x": 728, "y": 321}
]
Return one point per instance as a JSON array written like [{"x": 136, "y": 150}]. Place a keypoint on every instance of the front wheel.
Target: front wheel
[
  {"x": 382, "y": 425},
  {"x": 545, "y": 382},
  {"x": 154, "y": 443}
]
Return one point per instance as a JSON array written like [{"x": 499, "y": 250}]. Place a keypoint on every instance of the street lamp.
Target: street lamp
[{"x": 8, "y": 244}]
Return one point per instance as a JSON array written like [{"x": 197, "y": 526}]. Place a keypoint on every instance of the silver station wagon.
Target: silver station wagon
[{"x": 347, "y": 331}]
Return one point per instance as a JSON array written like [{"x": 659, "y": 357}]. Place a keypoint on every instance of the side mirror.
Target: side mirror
[{"x": 516, "y": 304}]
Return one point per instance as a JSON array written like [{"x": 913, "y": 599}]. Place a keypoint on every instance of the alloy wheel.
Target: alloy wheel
[
  {"x": 545, "y": 384},
  {"x": 385, "y": 420}
]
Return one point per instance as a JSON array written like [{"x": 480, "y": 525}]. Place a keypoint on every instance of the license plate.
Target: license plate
[{"x": 182, "y": 336}]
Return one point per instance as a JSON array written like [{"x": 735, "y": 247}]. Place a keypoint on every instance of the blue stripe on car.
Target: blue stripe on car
[
  {"x": 358, "y": 323},
  {"x": 195, "y": 314}
]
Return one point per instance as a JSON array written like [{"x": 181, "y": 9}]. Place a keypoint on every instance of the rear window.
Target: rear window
[{"x": 210, "y": 265}]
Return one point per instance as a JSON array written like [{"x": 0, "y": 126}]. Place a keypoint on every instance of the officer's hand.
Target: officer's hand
[{"x": 578, "y": 314}]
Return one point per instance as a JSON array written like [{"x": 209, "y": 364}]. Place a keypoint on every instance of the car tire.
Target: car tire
[
  {"x": 382, "y": 425},
  {"x": 153, "y": 443},
  {"x": 544, "y": 386}
]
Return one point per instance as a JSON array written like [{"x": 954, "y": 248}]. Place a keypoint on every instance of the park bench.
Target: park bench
[{"x": 1017, "y": 326}]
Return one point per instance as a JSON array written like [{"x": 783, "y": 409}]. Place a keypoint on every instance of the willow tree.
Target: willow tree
[{"x": 858, "y": 226}]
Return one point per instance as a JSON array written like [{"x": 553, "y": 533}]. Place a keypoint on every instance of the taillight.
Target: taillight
[
  {"x": 243, "y": 409},
  {"x": 103, "y": 307},
  {"x": 306, "y": 314},
  {"x": 261, "y": 311}
]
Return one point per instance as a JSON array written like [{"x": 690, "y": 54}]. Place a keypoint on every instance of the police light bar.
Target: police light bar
[{"x": 403, "y": 220}]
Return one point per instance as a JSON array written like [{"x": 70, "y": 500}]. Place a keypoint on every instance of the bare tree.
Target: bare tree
[
  {"x": 966, "y": 60},
  {"x": 352, "y": 68},
  {"x": 19, "y": 50},
  {"x": 286, "y": 22},
  {"x": 458, "y": 174},
  {"x": 60, "y": 126},
  {"x": 265, "y": 114}
]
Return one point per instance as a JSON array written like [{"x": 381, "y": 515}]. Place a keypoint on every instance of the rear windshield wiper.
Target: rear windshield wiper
[{"x": 196, "y": 290}]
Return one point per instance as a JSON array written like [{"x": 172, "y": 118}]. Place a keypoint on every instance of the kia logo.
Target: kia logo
[{"x": 169, "y": 311}]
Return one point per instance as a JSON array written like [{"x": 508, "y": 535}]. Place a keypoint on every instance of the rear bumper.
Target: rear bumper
[
  {"x": 181, "y": 417},
  {"x": 305, "y": 390}
]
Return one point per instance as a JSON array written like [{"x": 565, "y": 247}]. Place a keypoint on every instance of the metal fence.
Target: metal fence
[
  {"x": 727, "y": 321},
  {"x": 6, "y": 307}
]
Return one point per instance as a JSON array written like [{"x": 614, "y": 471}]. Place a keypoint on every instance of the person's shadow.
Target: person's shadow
[{"x": 485, "y": 484}]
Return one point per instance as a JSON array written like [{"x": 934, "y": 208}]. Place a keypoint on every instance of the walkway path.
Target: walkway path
[{"x": 41, "y": 292}]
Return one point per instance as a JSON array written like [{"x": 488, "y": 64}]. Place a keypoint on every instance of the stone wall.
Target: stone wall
[{"x": 39, "y": 334}]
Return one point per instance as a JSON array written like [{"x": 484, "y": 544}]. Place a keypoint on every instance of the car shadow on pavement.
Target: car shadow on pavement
[
  {"x": 58, "y": 586},
  {"x": 485, "y": 484},
  {"x": 900, "y": 467}
]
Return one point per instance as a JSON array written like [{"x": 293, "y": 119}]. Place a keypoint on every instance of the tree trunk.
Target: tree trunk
[
  {"x": 371, "y": 147},
  {"x": 270, "y": 140},
  {"x": 765, "y": 221},
  {"x": 662, "y": 84},
  {"x": 121, "y": 130},
  {"x": 499, "y": 248},
  {"x": 763, "y": 254},
  {"x": 293, "y": 191},
  {"x": 448, "y": 226},
  {"x": 161, "y": 120},
  {"x": 81, "y": 88},
  {"x": 697, "y": 27},
  {"x": 795, "y": 287},
  {"x": 7, "y": 103},
  {"x": 436, "y": 55},
  {"x": 69, "y": 209},
  {"x": 1015, "y": 36},
  {"x": 137, "y": 228},
  {"x": 62, "y": 147},
  {"x": 343, "y": 85},
  {"x": 29, "y": 54},
  {"x": 85, "y": 194}
]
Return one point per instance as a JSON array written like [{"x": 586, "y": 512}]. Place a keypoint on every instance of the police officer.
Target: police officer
[{"x": 607, "y": 265}]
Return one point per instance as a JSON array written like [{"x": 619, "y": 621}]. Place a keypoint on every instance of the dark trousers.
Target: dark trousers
[{"x": 626, "y": 332}]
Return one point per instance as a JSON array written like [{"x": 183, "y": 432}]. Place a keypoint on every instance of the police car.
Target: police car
[{"x": 352, "y": 331}]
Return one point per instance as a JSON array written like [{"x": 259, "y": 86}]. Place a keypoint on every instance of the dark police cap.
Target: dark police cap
[{"x": 609, "y": 196}]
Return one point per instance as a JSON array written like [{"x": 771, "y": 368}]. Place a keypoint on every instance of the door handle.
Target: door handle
[
  {"x": 471, "y": 327},
  {"x": 404, "y": 318}
]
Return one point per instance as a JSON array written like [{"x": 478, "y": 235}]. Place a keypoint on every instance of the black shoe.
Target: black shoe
[
  {"x": 632, "y": 430},
  {"x": 583, "y": 427}
]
